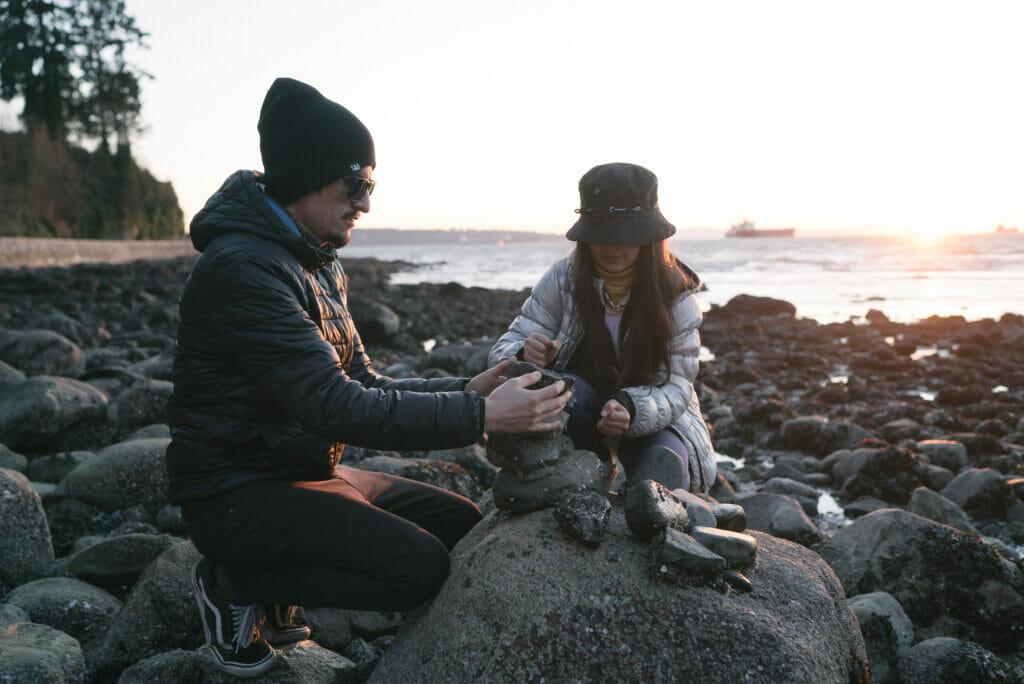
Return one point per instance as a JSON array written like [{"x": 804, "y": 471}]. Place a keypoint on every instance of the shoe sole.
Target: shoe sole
[{"x": 233, "y": 668}]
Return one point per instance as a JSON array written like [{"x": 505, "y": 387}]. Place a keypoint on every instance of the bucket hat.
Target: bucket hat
[{"x": 619, "y": 206}]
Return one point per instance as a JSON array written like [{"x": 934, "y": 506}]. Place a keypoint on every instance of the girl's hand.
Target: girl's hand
[
  {"x": 486, "y": 382},
  {"x": 614, "y": 419},
  {"x": 539, "y": 350}
]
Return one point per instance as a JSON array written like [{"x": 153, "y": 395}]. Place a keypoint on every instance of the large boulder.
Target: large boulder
[
  {"x": 525, "y": 602},
  {"x": 25, "y": 546},
  {"x": 120, "y": 476},
  {"x": 949, "y": 583},
  {"x": 47, "y": 413}
]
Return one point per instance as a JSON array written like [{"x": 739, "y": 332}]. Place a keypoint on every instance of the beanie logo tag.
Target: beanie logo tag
[{"x": 355, "y": 167}]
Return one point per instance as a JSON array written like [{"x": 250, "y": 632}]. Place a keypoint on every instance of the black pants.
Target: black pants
[{"x": 363, "y": 540}]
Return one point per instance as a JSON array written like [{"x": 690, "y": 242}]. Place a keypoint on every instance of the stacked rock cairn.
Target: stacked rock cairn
[{"x": 694, "y": 539}]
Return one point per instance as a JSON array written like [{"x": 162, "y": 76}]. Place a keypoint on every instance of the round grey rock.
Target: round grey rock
[
  {"x": 12, "y": 460},
  {"x": 780, "y": 516},
  {"x": 31, "y": 652},
  {"x": 47, "y": 413},
  {"x": 40, "y": 352},
  {"x": 946, "y": 659},
  {"x": 886, "y": 628},
  {"x": 118, "y": 561},
  {"x": 144, "y": 403},
  {"x": 981, "y": 492},
  {"x": 70, "y": 605},
  {"x": 121, "y": 476},
  {"x": 25, "y": 546}
]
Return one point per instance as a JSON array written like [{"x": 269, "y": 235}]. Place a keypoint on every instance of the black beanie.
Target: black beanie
[{"x": 307, "y": 141}]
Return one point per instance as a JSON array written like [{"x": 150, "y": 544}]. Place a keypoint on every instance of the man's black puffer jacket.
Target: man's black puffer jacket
[{"x": 270, "y": 377}]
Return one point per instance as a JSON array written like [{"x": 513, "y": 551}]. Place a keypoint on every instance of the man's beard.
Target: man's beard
[{"x": 339, "y": 239}]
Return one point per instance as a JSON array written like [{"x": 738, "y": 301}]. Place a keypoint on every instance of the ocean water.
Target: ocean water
[{"x": 827, "y": 278}]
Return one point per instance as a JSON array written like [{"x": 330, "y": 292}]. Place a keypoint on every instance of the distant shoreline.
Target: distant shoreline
[{"x": 16, "y": 252}]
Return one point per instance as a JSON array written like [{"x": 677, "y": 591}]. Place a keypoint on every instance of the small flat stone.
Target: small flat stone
[
  {"x": 729, "y": 517},
  {"x": 698, "y": 509},
  {"x": 680, "y": 555},
  {"x": 739, "y": 550}
]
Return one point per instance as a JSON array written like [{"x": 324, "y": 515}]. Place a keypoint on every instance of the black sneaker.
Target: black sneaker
[
  {"x": 232, "y": 631},
  {"x": 283, "y": 627}
]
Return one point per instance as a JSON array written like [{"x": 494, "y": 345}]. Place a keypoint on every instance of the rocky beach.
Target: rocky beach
[{"x": 878, "y": 466}]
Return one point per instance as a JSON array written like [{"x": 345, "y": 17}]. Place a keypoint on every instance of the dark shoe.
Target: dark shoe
[
  {"x": 232, "y": 631},
  {"x": 283, "y": 627}
]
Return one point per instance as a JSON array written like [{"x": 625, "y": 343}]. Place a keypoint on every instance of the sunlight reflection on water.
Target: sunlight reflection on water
[{"x": 827, "y": 279}]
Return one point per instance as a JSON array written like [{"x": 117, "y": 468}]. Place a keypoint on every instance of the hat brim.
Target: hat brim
[{"x": 621, "y": 230}]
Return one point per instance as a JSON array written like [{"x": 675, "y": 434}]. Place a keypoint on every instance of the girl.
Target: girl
[{"x": 620, "y": 316}]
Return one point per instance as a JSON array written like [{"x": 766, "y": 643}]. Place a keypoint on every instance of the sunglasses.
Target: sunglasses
[{"x": 358, "y": 186}]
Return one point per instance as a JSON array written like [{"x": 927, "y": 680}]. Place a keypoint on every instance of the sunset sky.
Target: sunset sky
[{"x": 868, "y": 116}]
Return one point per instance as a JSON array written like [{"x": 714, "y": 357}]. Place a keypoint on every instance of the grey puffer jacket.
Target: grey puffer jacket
[
  {"x": 270, "y": 378},
  {"x": 549, "y": 310}
]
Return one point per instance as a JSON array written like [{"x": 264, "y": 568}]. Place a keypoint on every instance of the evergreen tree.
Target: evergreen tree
[{"x": 66, "y": 58}]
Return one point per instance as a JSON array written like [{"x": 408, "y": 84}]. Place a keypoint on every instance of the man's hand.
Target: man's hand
[
  {"x": 539, "y": 350},
  {"x": 513, "y": 408},
  {"x": 486, "y": 382},
  {"x": 614, "y": 419}
]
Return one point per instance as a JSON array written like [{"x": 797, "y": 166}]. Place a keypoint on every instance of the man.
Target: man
[{"x": 271, "y": 379}]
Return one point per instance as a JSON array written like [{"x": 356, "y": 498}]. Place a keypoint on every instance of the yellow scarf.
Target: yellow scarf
[{"x": 616, "y": 285}]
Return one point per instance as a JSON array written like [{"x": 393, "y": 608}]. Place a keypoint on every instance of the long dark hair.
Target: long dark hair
[{"x": 646, "y": 330}]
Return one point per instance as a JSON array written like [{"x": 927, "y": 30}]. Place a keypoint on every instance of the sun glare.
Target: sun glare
[{"x": 924, "y": 239}]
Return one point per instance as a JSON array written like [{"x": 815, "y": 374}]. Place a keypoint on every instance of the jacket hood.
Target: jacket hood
[{"x": 239, "y": 207}]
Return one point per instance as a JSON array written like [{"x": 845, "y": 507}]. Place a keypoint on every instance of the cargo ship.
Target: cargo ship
[{"x": 747, "y": 229}]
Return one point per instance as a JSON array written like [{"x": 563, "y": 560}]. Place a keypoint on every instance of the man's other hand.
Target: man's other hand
[{"x": 486, "y": 382}]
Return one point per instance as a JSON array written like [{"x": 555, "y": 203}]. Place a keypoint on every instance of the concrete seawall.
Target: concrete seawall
[{"x": 32, "y": 252}]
